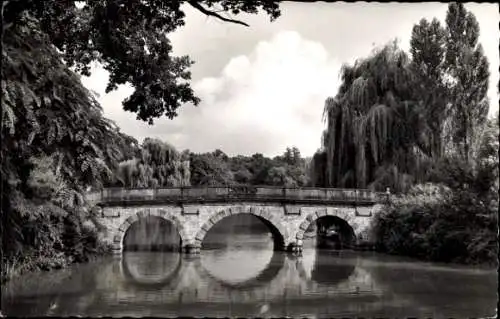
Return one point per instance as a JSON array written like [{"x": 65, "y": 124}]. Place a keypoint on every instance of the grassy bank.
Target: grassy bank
[{"x": 39, "y": 261}]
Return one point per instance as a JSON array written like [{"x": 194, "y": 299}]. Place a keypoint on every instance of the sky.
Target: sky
[{"x": 263, "y": 87}]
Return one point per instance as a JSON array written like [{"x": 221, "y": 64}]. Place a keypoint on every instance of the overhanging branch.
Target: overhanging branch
[{"x": 203, "y": 10}]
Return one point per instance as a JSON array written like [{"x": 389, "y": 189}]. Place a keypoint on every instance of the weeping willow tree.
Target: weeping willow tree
[
  {"x": 374, "y": 125},
  {"x": 156, "y": 164}
]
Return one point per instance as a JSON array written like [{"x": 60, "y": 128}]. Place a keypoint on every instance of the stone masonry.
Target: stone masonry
[{"x": 287, "y": 222}]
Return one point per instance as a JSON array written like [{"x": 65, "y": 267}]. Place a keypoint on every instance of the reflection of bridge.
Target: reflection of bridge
[
  {"x": 365, "y": 285},
  {"x": 188, "y": 281},
  {"x": 287, "y": 212}
]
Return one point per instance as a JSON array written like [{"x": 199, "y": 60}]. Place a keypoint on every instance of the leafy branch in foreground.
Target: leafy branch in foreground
[{"x": 129, "y": 38}]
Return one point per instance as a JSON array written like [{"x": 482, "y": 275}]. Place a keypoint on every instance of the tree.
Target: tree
[
  {"x": 278, "y": 176},
  {"x": 428, "y": 56},
  {"x": 487, "y": 174},
  {"x": 47, "y": 111},
  {"x": 220, "y": 154},
  {"x": 467, "y": 69},
  {"x": 240, "y": 165},
  {"x": 55, "y": 141},
  {"x": 288, "y": 169},
  {"x": 373, "y": 124},
  {"x": 392, "y": 117},
  {"x": 291, "y": 156},
  {"x": 210, "y": 170},
  {"x": 157, "y": 164},
  {"x": 259, "y": 167},
  {"x": 317, "y": 169},
  {"x": 129, "y": 38}
]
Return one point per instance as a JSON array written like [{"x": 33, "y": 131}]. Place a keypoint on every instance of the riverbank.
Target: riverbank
[
  {"x": 20, "y": 265},
  {"x": 17, "y": 267}
]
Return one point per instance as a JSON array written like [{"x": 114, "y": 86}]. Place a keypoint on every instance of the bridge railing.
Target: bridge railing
[{"x": 235, "y": 193}]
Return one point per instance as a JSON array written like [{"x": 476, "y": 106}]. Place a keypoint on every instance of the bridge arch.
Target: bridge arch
[
  {"x": 274, "y": 225},
  {"x": 118, "y": 238},
  {"x": 347, "y": 219}
]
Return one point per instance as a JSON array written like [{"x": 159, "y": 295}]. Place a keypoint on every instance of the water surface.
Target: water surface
[{"x": 246, "y": 278}]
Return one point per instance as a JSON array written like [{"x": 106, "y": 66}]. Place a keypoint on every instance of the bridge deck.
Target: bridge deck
[{"x": 179, "y": 195}]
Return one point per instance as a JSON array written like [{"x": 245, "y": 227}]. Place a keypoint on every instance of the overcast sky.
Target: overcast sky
[{"x": 263, "y": 87}]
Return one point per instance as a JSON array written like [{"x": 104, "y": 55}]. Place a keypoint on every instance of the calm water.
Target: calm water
[{"x": 246, "y": 278}]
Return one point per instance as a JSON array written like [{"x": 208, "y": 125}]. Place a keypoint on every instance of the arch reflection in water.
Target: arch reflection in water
[
  {"x": 152, "y": 233},
  {"x": 241, "y": 269},
  {"x": 326, "y": 267},
  {"x": 153, "y": 270},
  {"x": 330, "y": 268}
]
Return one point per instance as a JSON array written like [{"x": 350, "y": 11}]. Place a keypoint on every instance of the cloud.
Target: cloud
[
  {"x": 260, "y": 103},
  {"x": 265, "y": 101}
]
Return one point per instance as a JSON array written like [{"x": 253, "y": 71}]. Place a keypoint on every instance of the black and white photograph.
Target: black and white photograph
[{"x": 249, "y": 159}]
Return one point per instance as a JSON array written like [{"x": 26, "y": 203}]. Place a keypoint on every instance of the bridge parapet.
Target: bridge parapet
[{"x": 110, "y": 196}]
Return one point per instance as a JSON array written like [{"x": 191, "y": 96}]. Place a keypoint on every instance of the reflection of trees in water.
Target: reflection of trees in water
[
  {"x": 151, "y": 269},
  {"x": 330, "y": 268},
  {"x": 152, "y": 233}
]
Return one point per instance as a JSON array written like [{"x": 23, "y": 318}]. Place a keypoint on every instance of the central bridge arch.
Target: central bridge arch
[{"x": 274, "y": 225}]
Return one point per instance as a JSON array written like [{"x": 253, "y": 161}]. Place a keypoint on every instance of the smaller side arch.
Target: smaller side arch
[
  {"x": 278, "y": 231},
  {"x": 122, "y": 230},
  {"x": 311, "y": 218}
]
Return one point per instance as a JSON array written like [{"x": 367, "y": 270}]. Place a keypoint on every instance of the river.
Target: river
[{"x": 240, "y": 275}]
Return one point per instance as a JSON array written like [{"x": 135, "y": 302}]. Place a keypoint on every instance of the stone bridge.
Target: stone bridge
[{"x": 288, "y": 212}]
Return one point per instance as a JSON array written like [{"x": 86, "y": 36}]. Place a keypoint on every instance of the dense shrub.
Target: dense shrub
[
  {"x": 454, "y": 219},
  {"x": 50, "y": 223},
  {"x": 440, "y": 224}
]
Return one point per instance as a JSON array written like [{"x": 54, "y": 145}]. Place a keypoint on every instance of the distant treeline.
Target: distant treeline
[{"x": 158, "y": 164}]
